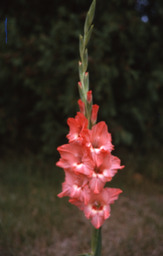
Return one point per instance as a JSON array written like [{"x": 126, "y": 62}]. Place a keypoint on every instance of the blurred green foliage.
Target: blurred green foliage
[{"x": 39, "y": 72}]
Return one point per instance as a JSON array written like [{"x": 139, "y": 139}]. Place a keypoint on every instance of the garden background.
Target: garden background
[{"x": 38, "y": 92}]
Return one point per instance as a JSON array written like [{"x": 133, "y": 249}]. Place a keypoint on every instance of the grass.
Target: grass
[{"x": 34, "y": 222}]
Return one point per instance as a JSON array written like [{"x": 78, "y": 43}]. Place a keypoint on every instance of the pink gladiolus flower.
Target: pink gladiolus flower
[
  {"x": 99, "y": 138},
  {"x": 76, "y": 158},
  {"x": 104, "y": 169},
  {"x": 88, "y": 165},
  {"x": 86, "y": 158},
  {"x": 75, "y": 186},
  {"x": 98, "y": 207},
  {"x": 77, "y": 125}
]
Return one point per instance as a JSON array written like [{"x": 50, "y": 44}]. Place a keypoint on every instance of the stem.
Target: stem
[
  {"x": 96, "y": 242},
  {"x": 83, "y": 63}
]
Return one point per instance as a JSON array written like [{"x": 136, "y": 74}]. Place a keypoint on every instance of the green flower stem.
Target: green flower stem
[
  {"x": 96, "y": 242},
  {"x": 83, "y": 63}
]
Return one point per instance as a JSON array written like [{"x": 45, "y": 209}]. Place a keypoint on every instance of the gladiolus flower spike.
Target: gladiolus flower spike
[
  {"x": 86, "y": 158},
  {"x": 88, "y": 165}
]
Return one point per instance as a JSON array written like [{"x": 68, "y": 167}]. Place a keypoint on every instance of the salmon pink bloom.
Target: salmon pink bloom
[
  {"x": 77, "y": 125},
  {"x": 98, "y": 207},
  {"x": 75, "y": 158},
  {"x": 75, "y": 186},
  {"x": 105, "y": 167},
  {"x": 99, "y": 138}
]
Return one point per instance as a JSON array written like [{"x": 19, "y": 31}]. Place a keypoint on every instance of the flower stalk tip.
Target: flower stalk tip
[{"x": 83, "y": 42}]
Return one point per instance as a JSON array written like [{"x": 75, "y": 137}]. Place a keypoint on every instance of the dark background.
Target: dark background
[{"x": 39, "y": 72}]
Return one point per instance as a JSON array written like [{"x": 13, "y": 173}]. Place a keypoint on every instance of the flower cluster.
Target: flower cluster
[{"x": 88, "y": 165}]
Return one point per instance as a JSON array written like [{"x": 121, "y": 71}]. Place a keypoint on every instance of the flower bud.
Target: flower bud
[
  {"x": 80, "y": 84},
  {"x": 95, "y": 109},
  {"x": 89, "y": 97},
  {"x": 81, "y": 106}
]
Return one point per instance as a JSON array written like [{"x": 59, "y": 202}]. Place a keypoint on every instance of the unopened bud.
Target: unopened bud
[
  {"x": 95, "y": 109},
  {"x": 81, "y": 106},
  {"x": 89, "y": 96},
  {"x": 80, "y": 84}
]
